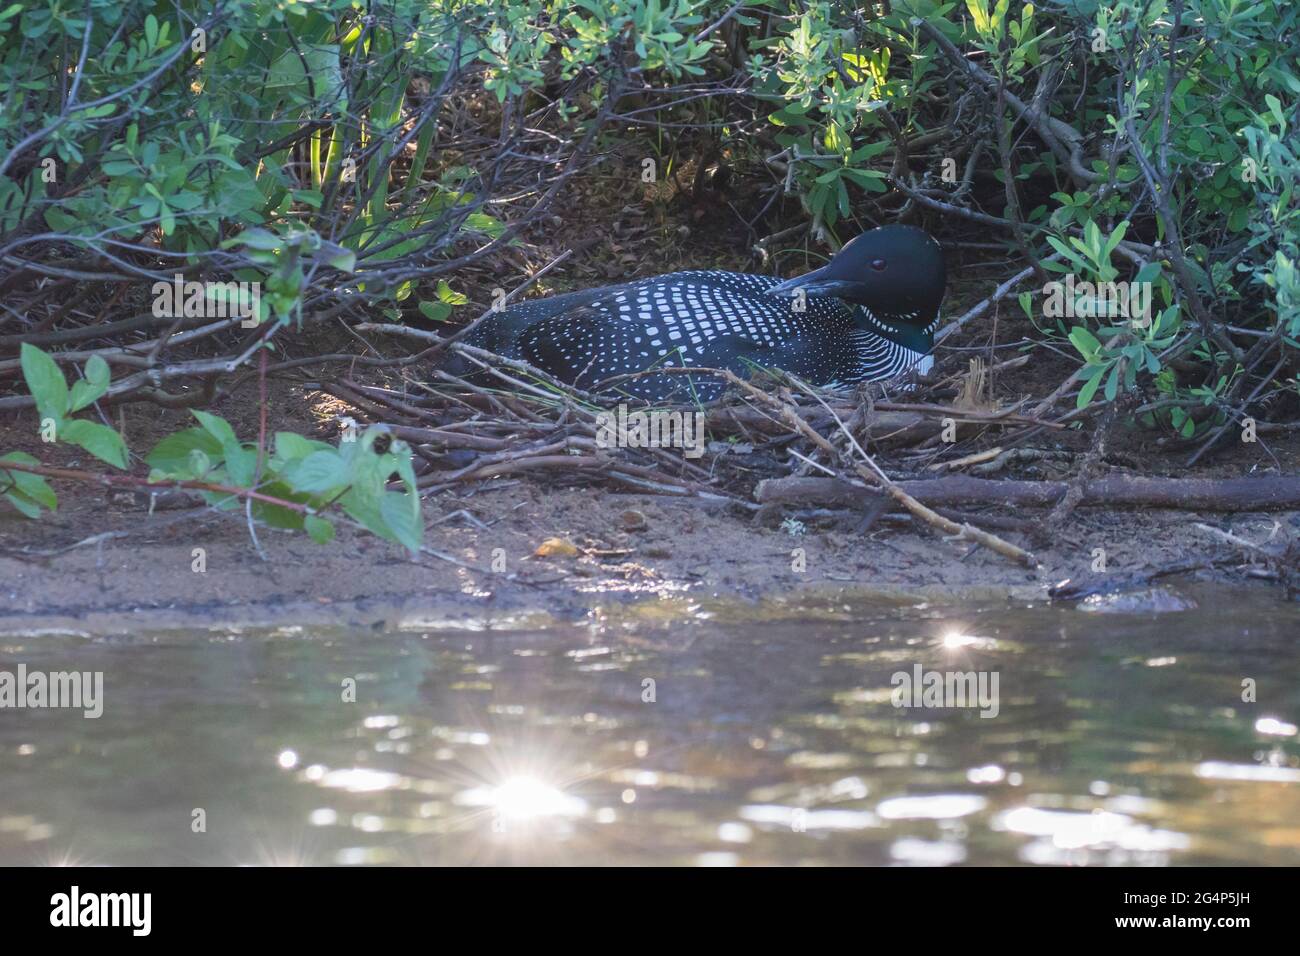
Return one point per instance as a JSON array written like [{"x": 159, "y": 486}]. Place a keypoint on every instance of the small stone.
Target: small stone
[{"x": 1139, "y": 601}]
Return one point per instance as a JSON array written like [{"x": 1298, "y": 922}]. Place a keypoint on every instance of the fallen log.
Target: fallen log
[
  {"x": 1273, "y": 493},
  {"x": 827, "y": 492}
]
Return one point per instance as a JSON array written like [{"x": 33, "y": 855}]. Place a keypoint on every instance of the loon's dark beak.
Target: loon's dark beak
[{"x": 817, "y": 282}]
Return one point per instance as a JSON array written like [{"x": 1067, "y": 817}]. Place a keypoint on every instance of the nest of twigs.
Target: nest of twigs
[{"x": 774, "y": 443}]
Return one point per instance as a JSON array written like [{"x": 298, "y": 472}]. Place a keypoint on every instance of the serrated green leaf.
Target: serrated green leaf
[{"x": 319, "y": 472}]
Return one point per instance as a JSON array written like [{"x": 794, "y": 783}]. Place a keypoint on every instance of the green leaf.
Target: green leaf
[
  {"x": 435, "y": 311},
  {"x": 1089, "y": 389},
  {"x": 45, "y": 382},
  {"x": 199, "y": 462},
  {"x": 364, "y": 509},
  {"x": 1092, "y": 237},
  {"x": 290, "y": 446},
  {"x": 869, "y": 179},
  {"x": 33, "y": 487},
  {"x": 405, "y": 470},
  {"x": 318, "y": 472},
  {"x": 241, "y": 463},
  {"x": 481, "y": 222},
  {"x": 1115, "y": 239},
  {"x": 321, "y": 531},
  {"x": 1275, "y": 107},
  {"x": 97, "y": 373},
  {"x": 23, "y": 504},
  {"x": 445, "y": 294},
  {"x": 95, "y": 384},
  {"x": 174, "y": 454},
  {"x": 1148, "y": 273},
  {"x": 277, "y": 516},
  {"x": 217, "y": 427},
  {"x": 259, "y": 239},
  {"x": 1069, "y": 254},
  {"x": 100, "y": 440},
  {"x": 1112, "y": 383},
  {"x": 401, "y": 512},
  {"x": 1085, "y": 342}
]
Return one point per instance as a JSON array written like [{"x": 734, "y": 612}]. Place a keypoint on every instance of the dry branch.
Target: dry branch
[{"x": 1118, "y": 491}]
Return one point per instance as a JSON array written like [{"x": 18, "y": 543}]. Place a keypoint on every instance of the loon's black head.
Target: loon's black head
[{"x": 896, "y": 272}]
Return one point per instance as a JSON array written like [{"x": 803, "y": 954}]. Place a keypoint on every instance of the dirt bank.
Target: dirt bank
[
  {"x": 104, "y": 562},
  {"x": 140, "y": 571}
]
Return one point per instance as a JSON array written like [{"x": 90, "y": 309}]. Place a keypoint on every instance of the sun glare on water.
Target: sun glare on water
[{"x": 526, "y": 798}]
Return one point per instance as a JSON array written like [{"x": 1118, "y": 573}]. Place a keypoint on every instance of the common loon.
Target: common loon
[{"x": 868, "y": 314}]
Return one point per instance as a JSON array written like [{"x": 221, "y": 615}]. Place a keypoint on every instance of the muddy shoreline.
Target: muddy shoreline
[{"x": 143, "y": 571}]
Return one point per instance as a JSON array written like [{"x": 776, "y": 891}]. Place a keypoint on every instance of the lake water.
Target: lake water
[{"x": 772, "y": 738}]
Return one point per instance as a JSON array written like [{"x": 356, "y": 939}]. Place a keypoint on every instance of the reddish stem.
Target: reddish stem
[{"x": 129, "y": 481}]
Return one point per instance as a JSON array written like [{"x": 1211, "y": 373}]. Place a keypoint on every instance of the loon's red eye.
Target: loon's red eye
[{"x": 879, "y": 264}]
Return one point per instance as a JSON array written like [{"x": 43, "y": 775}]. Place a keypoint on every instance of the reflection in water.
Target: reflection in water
[
  {"x": 673, "y": 733},
  {"x": 523, "y": 798}
]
